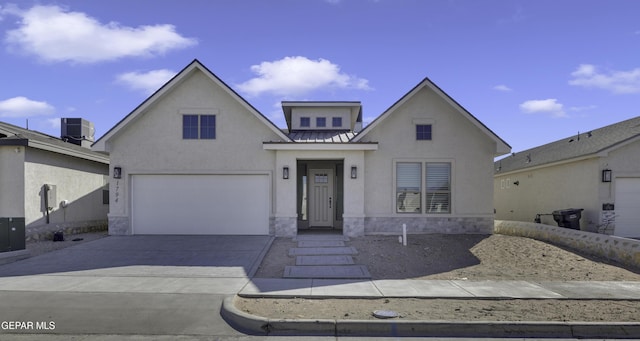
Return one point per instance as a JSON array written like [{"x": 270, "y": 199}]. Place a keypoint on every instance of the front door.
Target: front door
[{"x": 321, "y": 201}]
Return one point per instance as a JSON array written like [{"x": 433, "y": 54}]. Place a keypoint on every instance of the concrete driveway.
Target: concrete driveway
[{"x": 135, "y": 285}]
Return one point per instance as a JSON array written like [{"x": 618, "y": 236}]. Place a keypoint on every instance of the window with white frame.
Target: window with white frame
[
  {"x": 434, "y": 192},
  {"x": 408, "y": 187},
  {"x": 438, "y": 187}
]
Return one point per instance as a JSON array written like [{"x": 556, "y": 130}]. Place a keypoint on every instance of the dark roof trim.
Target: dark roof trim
[
  {"x": 14, "y": 141},
  {"x": 167, "y": 84}
]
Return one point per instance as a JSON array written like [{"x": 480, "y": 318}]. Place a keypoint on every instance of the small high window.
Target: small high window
[
  {"x": 321, "y": 121},
  {"x": 423, "y": 132},
  {"x": 305, "y": 121},
  {"x": 196, "y": 127},
  {"x": 336, "y": 122}
]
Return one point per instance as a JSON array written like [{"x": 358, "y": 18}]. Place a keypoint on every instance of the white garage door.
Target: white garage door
[
  {"x": 627, "y": 206},
  {"x": 200, "y": 204}
]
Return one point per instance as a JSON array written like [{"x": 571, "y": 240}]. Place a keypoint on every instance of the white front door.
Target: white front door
[{"x": 321, "y": 201}]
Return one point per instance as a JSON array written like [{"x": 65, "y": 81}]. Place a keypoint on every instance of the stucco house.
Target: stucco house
[
  {"x": 48, "y": 184},
  {"x": 598, "y": 171},
  {"x": 196, "y": 158}
]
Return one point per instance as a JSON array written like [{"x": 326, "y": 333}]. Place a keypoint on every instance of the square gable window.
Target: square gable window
[
  {"x": 336, "y": 122},
  {"x": 423, "y": 132},
  {"x": 305, "y": 122},
  {"x": 190, "y": 127},
  {"x": 196, "y": 127},
  {"x": 321, "y": 122}
]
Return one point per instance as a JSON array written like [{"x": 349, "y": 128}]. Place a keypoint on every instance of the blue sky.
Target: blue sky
[{"x": 532, "y": 71}]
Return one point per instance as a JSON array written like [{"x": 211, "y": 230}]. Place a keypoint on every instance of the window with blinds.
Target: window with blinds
[
  {"x": 438, "y": 191},
  {"x": 408, "y": 187},
  {"x": 436, "y": 188}
]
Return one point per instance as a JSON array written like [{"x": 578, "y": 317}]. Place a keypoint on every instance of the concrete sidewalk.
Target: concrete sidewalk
[
  {"x": 338, "y": 288},
  {"x": 460, "y": 289}
]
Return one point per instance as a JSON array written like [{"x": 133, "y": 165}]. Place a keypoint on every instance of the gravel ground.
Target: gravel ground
[
  {"x": 37, "y": 248},
  {"x": 459, "y": 257}
]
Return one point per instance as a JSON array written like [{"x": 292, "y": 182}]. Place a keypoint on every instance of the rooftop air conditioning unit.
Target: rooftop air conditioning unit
[{"x": 77, "y": 131}]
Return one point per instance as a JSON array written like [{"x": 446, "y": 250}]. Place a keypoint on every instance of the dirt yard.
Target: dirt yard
[{"x": 460, "y": 257}]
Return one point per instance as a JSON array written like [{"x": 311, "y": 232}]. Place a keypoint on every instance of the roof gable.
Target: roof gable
[
  {"x": 501, "y": 146},
  {"x": 195, "y": 65},
  {"x": 586, "y": 144}
]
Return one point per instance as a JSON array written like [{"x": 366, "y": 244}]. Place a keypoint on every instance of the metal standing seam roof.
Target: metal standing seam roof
[
  {"x": 320, "y": 136},
  {"x": 579, "y": 145}
]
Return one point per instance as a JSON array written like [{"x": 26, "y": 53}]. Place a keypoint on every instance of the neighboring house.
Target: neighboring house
[
  {"x": 196, "y": 158},
  {"x": 598, "y": 171},
  {"x": 49, "y": 184}
]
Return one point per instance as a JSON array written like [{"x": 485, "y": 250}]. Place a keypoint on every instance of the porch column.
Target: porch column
[
  {"x": 353, "y": 216},
  {"x": 286, "y": 218}
]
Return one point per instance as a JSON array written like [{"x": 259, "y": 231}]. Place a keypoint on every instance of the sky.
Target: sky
[{"x": 532, "y": 71}]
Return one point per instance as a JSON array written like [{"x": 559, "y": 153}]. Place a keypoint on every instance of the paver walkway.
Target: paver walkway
[{"x": 324, "y": 256}]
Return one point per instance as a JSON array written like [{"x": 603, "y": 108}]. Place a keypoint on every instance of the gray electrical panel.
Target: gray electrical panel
[{"x": 12, "y": 234}]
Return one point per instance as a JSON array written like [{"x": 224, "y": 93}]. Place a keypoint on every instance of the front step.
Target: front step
[
  {"x": 325, "y": 260},
  {"x": 307, "y": 251},
  {"x": 320, "y": 243},
  {"x": 327, "y": 271}
]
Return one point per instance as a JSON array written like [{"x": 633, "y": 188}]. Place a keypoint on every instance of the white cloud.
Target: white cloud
[
  {"x": 294, "y": 76},
  {"x": 618, "y": 82},
  {"x": 57, "y": 35},
  {"x": 23, "y": 107},
  {"x": 53, "y": 123},
  {"x": 583, "y": 108},
  {"x": 148, "y": 82},
  {"x": 502, "y": 87},
  {"x": 550, "y": 106}
]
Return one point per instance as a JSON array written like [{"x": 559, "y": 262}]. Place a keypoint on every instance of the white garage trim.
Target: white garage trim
[
  {"x": 627, "y": 207},
  {"x": 200, "y": 204}
]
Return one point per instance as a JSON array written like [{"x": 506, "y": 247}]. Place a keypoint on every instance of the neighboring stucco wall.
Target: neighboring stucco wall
[
  {"x": 12, "y": 181},
  {"x": 153, "y": 143},
  {"x": 80, "y": 182},
  {"x": 569, "y": 185},
  {"x": 623, "y": 250},
  {"x": 456, "y": 140},
  {"x": 624, "y": 162},
  {"x": 544, "y": 190}
]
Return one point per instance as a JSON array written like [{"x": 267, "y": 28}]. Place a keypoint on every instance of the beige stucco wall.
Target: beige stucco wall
[
  {"x": 153, "y": 144},
  {"x": 574, "y": 184},
  {"x": 544, "y": 190},
  {"x": 454, "y": 139},
  {"x": 80, "y": 182},
  {"x": 12, "y": 181}
]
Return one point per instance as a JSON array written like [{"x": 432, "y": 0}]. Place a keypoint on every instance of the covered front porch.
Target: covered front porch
[{"x": 319, "y": 186}]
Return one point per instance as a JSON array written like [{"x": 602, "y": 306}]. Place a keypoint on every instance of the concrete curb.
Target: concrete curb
[{"x": 258, "y": 325}]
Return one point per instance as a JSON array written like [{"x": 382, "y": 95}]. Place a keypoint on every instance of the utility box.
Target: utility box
[{"x": 12, "y": 234}]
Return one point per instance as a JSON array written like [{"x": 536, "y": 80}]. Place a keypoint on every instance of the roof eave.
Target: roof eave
[{"x": 319, "y": 146}]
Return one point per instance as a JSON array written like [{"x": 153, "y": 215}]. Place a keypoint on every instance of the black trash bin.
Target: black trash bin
[{"x": 569, "y": 218}]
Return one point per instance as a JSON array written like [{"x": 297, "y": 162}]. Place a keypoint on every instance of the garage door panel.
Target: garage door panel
[
  {"x": 627, "y": 204},
  {"x": 200, "y": 204}
]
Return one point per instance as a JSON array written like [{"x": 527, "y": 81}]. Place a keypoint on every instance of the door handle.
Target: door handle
[{"x": 329, "y": 202}]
